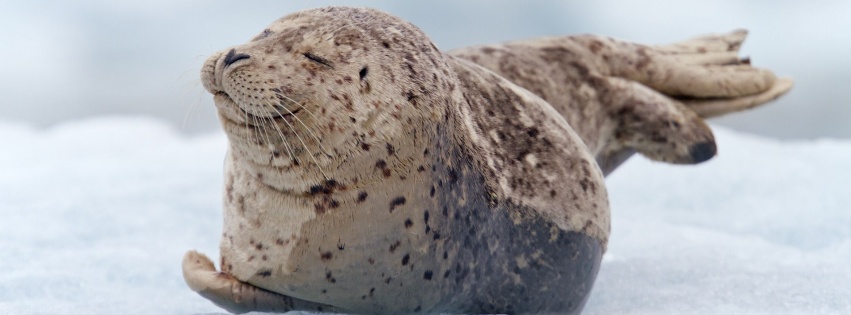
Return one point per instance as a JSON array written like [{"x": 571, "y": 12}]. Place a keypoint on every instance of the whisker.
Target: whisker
[
  {"x": 299, "y": 137},
  {"x": 283, "y": 139},
  {"x": 256, "y": 131},
  {"x": 187, "y": 89},
  {"x": 302, "y": 122}
]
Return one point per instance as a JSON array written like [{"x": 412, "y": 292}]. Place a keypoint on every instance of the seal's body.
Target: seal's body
[{"x": 368, "y": 172}]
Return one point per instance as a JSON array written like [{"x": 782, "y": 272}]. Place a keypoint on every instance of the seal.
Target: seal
[{"x": 369, "y": 172}]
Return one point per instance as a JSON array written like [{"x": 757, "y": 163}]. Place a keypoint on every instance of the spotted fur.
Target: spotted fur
[
  {"x": 622, "y": 97},
  {"x": 369, "y": 172}
]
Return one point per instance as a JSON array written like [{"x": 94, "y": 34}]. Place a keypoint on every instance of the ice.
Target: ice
[{"x": 95, "y": 216}]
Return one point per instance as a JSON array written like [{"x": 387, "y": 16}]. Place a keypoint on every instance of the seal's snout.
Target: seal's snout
[
  {"x": 702, "y": 152},
  {"x": 232, "y": 57}
]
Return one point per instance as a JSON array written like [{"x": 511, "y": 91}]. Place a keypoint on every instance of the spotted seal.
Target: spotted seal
[{"x": 369, "y": 172}]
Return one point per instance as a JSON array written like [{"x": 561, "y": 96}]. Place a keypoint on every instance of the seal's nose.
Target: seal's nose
[{"x": 232, "y": 57}]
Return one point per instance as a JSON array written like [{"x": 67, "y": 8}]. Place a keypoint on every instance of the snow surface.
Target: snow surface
[{"x": 95, "y": 217}]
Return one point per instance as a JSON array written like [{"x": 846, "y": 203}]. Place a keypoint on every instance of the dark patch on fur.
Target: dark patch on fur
[
  {"x": 398, "y": 201},
  {"x": 394, "y": 246},
  {"x": 330, "y": 277},
  {"x": 363, "y": 72},
  {"x": 362, "y": 196}
]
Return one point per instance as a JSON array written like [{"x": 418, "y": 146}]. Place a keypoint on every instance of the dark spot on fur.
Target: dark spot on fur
[
  {"x": 279, "y": 242},
  {"x": 371, "y": 261},
  {"x": 532, "y": 132},
  {"x": 406, "y": 259},
  {"x": 398, "y": 201},
  {"x": 595, "y": 46},
  {"x": 264, "y": 273},
  {"x": 394, "y": 246},
  {"x": 364, "y": 146},
  {"x": 408, "y": 223},
  {"x": 263, "y": 35},
  {"x": 453, "y": 176},
  {"x": 319, "y": 208},
  {"x": 418, "y": 309},
  {"x": 362, "y": 196},
  {"x": 390, "y": 149},
  {"x": 431, "y": 192},
  {"x": 381, "y": 164},
  {"x": 326, "y": 187},
  {"x": 326, "y": 256},
  {"x": 446, "y": 274},
  {"x": 363, "y": 72},
  {"x": 427, "y": 275},
  {"x": 412, "y": 98},
  {"x": 421, "y": 169}
]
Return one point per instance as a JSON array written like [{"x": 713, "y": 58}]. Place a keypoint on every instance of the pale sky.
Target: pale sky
[{"x": 63, "y": 61}]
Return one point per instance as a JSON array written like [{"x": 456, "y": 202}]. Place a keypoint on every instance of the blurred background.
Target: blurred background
[{"x": 63, "y": 60}]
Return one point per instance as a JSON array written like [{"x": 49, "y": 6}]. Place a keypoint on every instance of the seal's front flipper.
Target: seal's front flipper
[
  {"x": 657, "y": 126},
  {"x": 233, "y": 295}
]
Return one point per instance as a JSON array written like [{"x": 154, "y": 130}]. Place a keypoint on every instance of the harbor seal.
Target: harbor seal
[{"x": 369, "y": 172}]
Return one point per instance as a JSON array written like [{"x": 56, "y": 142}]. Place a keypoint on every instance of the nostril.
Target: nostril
[{"x": 232, "y": 57}]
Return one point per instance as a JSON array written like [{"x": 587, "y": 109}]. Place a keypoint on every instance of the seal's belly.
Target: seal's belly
[
  {"x": 448, "y": 248},
  {"x": 484, "y": 263}
]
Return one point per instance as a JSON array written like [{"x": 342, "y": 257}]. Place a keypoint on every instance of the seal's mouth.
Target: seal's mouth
[{"x": 233, "y": 112}]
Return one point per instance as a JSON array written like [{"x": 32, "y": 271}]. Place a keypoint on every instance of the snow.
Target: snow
[{"x": 96, "y": 216}]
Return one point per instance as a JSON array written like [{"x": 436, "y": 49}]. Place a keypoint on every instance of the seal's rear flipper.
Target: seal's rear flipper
[
  {"x": 235, "y": 296},
  {"x": 714, "y": 107}
]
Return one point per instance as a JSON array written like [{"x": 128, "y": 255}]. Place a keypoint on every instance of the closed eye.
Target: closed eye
[{"x": 318, "y": 60}]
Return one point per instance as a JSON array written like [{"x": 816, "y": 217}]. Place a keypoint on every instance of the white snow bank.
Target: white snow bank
[{"x": 96, "y": 216}]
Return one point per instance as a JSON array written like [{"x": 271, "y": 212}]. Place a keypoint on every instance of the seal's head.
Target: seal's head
[{"x": 320, "y": 87}]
